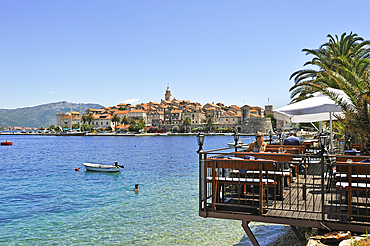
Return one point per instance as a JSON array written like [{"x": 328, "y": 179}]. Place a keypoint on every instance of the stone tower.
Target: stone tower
[
  {"x": 268, "y": 109},
  {"x": 167, "y": 96}
]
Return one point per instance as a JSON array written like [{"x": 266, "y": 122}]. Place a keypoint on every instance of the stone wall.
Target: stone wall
[{"x": 253, "y": 125}]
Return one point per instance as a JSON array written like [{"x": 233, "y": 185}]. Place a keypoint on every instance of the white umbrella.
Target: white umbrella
[{"x": 317, "y": 108}]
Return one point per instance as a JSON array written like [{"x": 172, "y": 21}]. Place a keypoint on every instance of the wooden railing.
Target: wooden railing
[{"x": 286, "y": 186}]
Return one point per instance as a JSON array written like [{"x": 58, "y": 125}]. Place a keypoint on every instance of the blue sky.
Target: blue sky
[{"x": 109, "y": 52}]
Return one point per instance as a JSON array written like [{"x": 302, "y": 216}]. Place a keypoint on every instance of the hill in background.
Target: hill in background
[{"x": 42, "y": 115}]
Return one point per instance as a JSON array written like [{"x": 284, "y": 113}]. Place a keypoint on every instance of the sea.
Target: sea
[{"x": 45, "y": 201}]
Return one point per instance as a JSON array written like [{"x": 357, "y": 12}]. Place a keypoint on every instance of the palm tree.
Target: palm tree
[
  {"x": 141, "y": 124},
  {"x": 329, "y": 58},
  {"x": 84, "y": 118},
  {"x": 115, "y": 119},
  {"x": 90, "y": 118},
  {"x": 210, "y": 122},
  {"x": 124, "y": 120},
  {"x": 132, "y": 121},
  {"x": 186, "y": 122},
  {"x": 343, "y": 64}
]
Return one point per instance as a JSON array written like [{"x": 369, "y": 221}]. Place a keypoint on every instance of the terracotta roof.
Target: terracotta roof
[
  {"x": 257, "y": 107},
  {"x": 176, "y": 111},
  {"x": 235, "y": 107},
  {"x": 211, "y": 108},
  {"x": 255, "y": 115},
  {"x": 91, "y": 109},
  {"x": 123, "y": 126},
  {"x": 120, "y": 112},
  {"x": 104, "y": 116},
  {"x": 137, "y": 111}
]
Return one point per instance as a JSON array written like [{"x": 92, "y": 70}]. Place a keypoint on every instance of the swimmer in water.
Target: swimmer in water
[{"x": 136, "y": 188}]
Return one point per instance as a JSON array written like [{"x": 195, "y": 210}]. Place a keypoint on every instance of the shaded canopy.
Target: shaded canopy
[{"x": 317, "y": 108}]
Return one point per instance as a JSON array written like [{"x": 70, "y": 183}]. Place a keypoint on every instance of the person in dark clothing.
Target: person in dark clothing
[{"x": 292, "y": 139}]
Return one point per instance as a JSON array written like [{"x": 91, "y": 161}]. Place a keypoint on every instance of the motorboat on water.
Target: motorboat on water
[
  {"x": 241, "y": 144},
  {"x": 102, "y": 168},
  {"x": 6, "y": 143},
  {"x": 70, "y": 133}
]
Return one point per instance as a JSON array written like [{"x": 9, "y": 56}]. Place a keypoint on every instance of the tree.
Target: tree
[
  {"x": 90, "y": 118},
  {"x": 209, "y": 123},
  {"x": 91, "y": 128},
  {"x": 152, "y": 129},
  {"x": 141, "y": 124},
  {"x": 51, "y": 128},
  {"x": 115, "y": 120},
  {"x": 75, "y": 126},
  {"x": 273, "y": 120},
  {"x": 186, "y": 122},
  {"x": 84, "y": 118},
  {"x": 330, "y": 59},
  {"x": 124, "y": 120},
  {"x": 132, "y": 128},
  {"x": 175, "y": 128},
  {"x": 85, "y": 127},
  {"x": 132, "y": 122},
  {"x": 343, "y": 64}
]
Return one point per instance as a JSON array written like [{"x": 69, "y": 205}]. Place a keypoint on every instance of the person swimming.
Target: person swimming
[{"x": 136, "y": 188}]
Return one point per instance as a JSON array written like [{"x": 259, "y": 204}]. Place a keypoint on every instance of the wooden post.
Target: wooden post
[{"x": 249, "y": 233}]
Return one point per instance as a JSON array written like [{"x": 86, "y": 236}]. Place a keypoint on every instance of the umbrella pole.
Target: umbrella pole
[{"x": 331, "y": 133}]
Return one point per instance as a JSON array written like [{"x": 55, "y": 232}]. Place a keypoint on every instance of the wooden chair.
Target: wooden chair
[
  {"x": 253, "y": 172},
  {"x": 353, "y": 176}
]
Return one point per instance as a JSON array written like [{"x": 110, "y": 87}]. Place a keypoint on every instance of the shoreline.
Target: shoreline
[{"x": 126, "y": 134}]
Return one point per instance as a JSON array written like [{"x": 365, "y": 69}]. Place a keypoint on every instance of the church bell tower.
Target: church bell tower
[{"x": 167, "y": 96}]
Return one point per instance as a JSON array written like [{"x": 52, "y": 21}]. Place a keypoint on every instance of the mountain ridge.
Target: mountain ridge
[{"x": 42, "y": 115}]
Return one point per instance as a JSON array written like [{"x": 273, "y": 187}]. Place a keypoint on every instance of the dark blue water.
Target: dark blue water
[{"x": 43, "y": 200}]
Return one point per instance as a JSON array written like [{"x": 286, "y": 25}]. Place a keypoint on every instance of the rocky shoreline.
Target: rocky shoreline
[{"x": 289, "y": 238}]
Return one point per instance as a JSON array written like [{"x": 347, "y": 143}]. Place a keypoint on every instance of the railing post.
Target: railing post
[
  {"x": 322, "y": 191},
  {"x": 305, "y": 182},
  {"x": 204, "y": 163},
  {"x": 200, "y": 180}
]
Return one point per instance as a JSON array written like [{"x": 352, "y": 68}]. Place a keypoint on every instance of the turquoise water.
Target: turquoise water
[{"x": 43, "y": 200}]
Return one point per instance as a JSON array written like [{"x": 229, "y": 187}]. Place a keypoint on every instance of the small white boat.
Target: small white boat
[
  {"x": 241, "y": 144},
  {"x": 101, "y": 167}
]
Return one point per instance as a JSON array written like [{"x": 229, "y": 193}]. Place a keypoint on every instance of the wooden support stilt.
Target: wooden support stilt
[
  {"x": 301, "y": 239},
  {"x": 249, "y": 233}
]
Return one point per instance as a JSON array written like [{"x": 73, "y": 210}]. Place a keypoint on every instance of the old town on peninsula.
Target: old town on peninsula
[{"x": 172, "y": 115}]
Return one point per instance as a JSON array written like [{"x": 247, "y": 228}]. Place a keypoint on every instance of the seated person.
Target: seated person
[
  {"x": 292, "y": 139},
  {"x": 259, "y": 145}
]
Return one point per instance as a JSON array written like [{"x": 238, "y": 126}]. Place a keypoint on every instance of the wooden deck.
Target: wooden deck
[{"x": 309, "y": 201}]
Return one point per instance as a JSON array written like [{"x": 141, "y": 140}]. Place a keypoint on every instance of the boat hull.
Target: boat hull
[
  {"x": 101, "y": 168},
  {"x": 71, "y": 134},
  {"x": 6, "y": 143}
]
